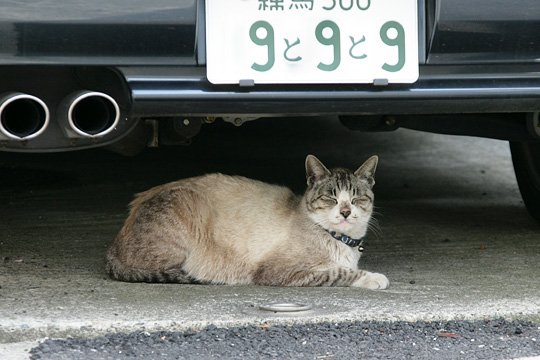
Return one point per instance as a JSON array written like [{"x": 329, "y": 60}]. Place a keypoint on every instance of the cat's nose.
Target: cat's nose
[{"x": 345, "y": 212}]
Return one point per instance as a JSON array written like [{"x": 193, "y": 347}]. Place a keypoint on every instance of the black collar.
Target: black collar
[{"x": 347, "y": 240}]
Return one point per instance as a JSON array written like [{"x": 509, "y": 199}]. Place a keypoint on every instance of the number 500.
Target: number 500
[{"x": 344, "y": 6}]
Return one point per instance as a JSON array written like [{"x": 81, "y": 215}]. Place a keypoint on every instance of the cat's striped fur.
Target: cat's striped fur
[{"x": 223, "y": 229}]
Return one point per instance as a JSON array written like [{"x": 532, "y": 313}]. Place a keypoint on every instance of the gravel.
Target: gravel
[{"x": 494, "y": 339}]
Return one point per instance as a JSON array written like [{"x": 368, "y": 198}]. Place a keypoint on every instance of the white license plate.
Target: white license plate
[{"x": 311, "y": 41}]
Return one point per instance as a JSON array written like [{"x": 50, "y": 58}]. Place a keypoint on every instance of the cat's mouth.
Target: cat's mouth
[{"x": 344, "y": 223}]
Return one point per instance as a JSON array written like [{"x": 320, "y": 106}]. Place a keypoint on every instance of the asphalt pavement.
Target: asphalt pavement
[
  {"x": 454, "y": 238},
  {"x": 450, "y": 340}
]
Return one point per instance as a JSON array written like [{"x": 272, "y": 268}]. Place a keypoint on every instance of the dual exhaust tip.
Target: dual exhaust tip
[{"x": 84, "y": 114}]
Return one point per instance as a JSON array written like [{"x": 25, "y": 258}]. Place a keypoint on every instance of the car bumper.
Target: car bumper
[{"x": 440, "y": 89}]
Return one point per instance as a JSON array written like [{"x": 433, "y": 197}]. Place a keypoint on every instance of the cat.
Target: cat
[{"x": 220, "y": 229}]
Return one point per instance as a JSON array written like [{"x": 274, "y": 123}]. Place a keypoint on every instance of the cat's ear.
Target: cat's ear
[
  {"x": 315, "y": 169},
  {"x": 367, "y": 170}
]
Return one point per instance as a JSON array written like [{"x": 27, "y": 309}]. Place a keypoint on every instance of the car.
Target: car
[{"x": 118, "y": 74}]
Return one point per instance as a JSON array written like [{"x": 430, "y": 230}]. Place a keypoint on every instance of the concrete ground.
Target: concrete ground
[{"x": 454, "y": 238}]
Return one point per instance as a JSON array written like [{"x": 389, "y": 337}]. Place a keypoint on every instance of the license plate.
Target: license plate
[{"x": 311, "y": 41}]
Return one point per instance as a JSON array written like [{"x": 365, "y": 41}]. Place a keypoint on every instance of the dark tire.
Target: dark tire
[{"x": 526, "y": 159}]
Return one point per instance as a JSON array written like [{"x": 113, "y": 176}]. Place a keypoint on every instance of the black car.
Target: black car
[{"x": 77, "y": 74}]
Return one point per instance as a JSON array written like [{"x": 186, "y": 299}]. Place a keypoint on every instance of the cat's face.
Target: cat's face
[{"x": 340, "y": 200}]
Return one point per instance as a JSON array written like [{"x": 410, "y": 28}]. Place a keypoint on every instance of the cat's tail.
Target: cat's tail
[{"x": 119, "y": 271}]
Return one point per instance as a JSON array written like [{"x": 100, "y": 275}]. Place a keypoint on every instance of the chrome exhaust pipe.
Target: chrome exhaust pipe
[
  {"x": 89, "y": 114},
  {"x": 22, "y": 116}
]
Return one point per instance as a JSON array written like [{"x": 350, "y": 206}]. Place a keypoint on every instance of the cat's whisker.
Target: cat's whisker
[
  {"x": 324, "y": 225},
  {"x": 376, "y": 213},
  {"x": 375, "y": 228}
]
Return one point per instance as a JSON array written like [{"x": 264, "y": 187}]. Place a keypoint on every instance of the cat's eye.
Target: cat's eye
[
  {"x": 361, "y": 201},
  {"x": 328, "y": 200}
]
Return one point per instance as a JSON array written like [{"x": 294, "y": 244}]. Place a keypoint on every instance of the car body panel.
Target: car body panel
[
  {"x": 98, "y": 32},
  {"x": 167, "y": 32},
  {"x": 483, "y": 31}
]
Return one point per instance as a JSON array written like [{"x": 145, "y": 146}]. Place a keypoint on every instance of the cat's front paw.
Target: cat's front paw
[{"x": 372, "y": 281}]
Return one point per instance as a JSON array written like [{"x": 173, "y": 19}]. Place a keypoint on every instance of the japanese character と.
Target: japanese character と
[
  {"x": 354, "y": 44},
  {"x": 289, "y": 47}
]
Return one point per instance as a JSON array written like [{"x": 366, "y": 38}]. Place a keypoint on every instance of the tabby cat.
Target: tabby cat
[{"x": 219, "y": 229}]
